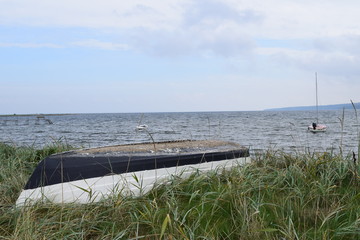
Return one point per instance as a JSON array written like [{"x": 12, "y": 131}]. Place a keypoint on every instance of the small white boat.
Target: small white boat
[
  {"x": 141, "y": 127},
  {"x": 315, "y": 126},
  {"x": 90, "y": 175}
]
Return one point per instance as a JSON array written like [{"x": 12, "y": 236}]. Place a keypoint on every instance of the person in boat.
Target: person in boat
[{"x": 314, "y": 125}]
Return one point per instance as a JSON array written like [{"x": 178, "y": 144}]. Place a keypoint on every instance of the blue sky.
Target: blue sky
[{"x": 169, "y": 56}]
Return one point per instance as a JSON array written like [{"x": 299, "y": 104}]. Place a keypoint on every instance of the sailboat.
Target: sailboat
[{"x": 315, "y": 126}]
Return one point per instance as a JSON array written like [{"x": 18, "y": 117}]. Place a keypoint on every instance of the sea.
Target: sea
[{"x": 258, "y": 130}]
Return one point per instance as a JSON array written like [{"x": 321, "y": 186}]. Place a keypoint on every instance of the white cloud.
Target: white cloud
[
  {"x": 93, "y": 43},
  {"x": 286, "y": 19},
  {"x": 278, "y": 18},
  {"x": 334, "y": 56},
  {"x": 224, "y": 28},
  {"x": 89, "y": 43},
  {"x": 215, "y": 12},
  {"x": 88, "y": 13},
  {"x": 222, "y": 41},
  {"x": 30, "y": 45}
]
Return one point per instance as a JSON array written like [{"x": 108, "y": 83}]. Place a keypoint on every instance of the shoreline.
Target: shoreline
[{"x": 36, "y": 115}]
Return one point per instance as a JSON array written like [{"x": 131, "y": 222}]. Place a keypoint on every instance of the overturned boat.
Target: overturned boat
[{"x": 89, "y": 175}]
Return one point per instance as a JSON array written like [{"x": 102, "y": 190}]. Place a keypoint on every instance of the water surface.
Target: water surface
[{"x": 260, "y": 131}]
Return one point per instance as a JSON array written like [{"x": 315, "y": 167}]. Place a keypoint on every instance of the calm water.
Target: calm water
[{"x": 258, "y": 130}]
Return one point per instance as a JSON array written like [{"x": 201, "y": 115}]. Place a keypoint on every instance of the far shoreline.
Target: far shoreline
[{"x": 36, "y": 114}]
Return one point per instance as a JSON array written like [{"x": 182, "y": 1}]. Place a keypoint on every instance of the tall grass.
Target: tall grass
[
  {"x": 357, "y": 128},
  {"x": 277, "y": 196},
  {"x": 16, "y": 165}
]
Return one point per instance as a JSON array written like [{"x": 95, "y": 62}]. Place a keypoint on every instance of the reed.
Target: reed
[
  {"x": 17, "y": 163},
  {"x": 277, "y": 196}
]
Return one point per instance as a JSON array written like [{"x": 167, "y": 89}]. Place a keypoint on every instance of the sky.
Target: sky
[{"x": 110, "y": 56}]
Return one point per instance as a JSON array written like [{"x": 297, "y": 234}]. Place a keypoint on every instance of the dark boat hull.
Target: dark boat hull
[{"x": 89, "y": 175}]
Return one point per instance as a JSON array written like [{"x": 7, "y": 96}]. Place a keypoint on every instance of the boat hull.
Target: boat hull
[
  {"x": 318, "y": 128},
  {"x": 130, "y": 170}
]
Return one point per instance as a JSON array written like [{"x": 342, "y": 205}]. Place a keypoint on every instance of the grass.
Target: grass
[{"x": 278, "y": 196}]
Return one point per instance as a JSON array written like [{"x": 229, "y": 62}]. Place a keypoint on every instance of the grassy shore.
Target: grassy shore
[{"x": 278, "y": 196}]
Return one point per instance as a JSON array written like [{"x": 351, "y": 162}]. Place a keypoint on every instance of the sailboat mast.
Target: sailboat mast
[
  {"x": 316, "y": 127},
  {"x": 317, "y": 108}
]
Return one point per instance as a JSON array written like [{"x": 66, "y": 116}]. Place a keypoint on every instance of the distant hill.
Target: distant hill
[{"x": 313, "y": 108}]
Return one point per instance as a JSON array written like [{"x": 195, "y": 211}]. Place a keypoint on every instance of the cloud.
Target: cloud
[
  {"x": 139, "y": 9},
  {"x": 165, "y": 29},
  {"x": 280, "y": 18},
  {"x": 30, "y": 45},
  {"x": 348, "y": 43},
  {"x": 226, "y": 29},
  {"x": 89, "y": 43},
  {"x": 88, "y": 13},
  {"x": 93, "y": 43},
  {"x": 334, "y": 56},
  {"x": 215, "y": 12},
  {"x": 197, "y": 42}
]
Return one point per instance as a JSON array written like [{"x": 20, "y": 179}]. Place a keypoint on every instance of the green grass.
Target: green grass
[{"x": 278, "y": 196}]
